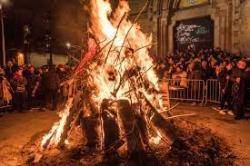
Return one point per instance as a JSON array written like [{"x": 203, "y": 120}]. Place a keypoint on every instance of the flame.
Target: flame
[
  {"x": 157, "y": 139},
  {"x": 55, "y": 133},
  {"x": 123, "y": 47},
  {"x": 104, "y": 26}
]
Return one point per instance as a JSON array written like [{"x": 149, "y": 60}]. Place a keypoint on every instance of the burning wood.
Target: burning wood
[{"x": 121, "y": 91}]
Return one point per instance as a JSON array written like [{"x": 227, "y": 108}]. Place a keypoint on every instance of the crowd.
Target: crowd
[
  {"x": 27, "y": 87},
  {"x": 231, "y": 70}
]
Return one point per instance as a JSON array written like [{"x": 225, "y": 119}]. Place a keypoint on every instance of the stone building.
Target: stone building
[
  {"x": 229, "y": 23},
  {"x": 206, "y": 23}
]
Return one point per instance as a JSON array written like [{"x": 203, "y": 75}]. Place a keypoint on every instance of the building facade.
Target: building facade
[
  {"x": 225, "y": 22},
  {"x": 204, "y": 23}
]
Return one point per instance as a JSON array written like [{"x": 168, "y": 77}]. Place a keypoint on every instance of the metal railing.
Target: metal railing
[
  {"x": 187, "y": 90},
  {"x": 195, "y": 90},
  {"x": 179, "y": 90},
  {"x": 213, "y": 91}
]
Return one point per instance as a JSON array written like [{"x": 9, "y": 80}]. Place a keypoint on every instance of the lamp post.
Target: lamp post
[{"x": 3, "y": 34}]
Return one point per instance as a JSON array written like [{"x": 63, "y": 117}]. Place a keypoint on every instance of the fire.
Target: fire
[
  {"x": 128, "y": 48},
  {"x": 157, "y": 139},
  {"x": 55, "y": 133},
  {"x": 124, "y": 53}
]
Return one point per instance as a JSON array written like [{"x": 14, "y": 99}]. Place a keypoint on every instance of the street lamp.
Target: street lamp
[
  {"x": 75, "y": 47},
  {"x": 69, "y": 46},
  {"x": 3, "y": 2}
]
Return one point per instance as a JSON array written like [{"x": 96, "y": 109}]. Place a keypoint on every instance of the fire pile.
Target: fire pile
[
  {"x": 118, "y": 104},
  {"x": 122, "y": 84}
]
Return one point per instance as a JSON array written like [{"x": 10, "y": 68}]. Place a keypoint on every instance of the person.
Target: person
[
  {"x": 52, "y": 82},
  {"x": 247, "y": 98},
  {"x": 32, "y": 85},
  {"x": 9, "y": 70},
  {"x": 181, "y": 75},
  {"x": 19, "y": 83},
  {"x": 194, "y": 74},
  {"x": 204, "y": 70},
  {"x": 239, "y": 90},
  {"x": 5, "y": 89},
  {"x": 226, "y": 88},
  {"x": 40, "y": 87}
]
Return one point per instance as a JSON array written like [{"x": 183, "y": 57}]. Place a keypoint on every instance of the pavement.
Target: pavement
[
  {"x": 17, "y": 129},
  {"x": 235, "y": 132}
]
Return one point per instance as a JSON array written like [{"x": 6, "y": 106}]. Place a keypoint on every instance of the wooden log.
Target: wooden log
[
  {"x": 165, "y": 126},
  {"x": 91, "y": 123},
  {"x": 133, "y": 136},
  {"x": 110, "y": 125},
  {"x": 142, "y": 125},
  {"x": 90, "y": 129}
]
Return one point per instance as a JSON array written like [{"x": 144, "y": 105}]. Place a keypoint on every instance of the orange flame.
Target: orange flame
[
  {"x": 104, "y": 26},
  {"x": 125, "y": 46}
]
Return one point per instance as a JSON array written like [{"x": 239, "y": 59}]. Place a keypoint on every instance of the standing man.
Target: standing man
[
  {"x": 239, "y": 89},
  {"x": 33, "y": 82},
  {"x": 52, "y": 82},
  {"x": 226, "y": 88}
]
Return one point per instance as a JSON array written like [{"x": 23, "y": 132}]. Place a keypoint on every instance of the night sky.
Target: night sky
[
  {"x": 67, "y": 20},
  {"x": 69, "y": 23}
]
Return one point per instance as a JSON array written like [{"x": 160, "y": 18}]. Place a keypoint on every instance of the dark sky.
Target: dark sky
[{"x": 68, "y": 22}]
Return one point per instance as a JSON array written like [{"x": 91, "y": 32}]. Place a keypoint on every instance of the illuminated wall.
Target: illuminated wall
[{"x": 191, "y": 3}]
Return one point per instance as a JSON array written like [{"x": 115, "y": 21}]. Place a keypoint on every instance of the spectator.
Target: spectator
[
  {"x": 5, "y": 89},
  {"x": 181, "y": 75},
  {"x": 19, "y": 83},
  {"x": 32, "y": 85},
  {"x": 9, "y": 71},
  {"x": 51, "y": 87},
  {"x": 226, "y": 88},
  {"x": 239, "y": 90}
]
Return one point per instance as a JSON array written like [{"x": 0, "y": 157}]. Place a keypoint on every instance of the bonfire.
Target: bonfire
[
  {"x": 119, "y": 72},
  {"x": 115, "y": 94}
]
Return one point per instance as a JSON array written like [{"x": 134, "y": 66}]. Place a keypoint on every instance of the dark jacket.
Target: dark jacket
[{"x": 52, "y": 80}]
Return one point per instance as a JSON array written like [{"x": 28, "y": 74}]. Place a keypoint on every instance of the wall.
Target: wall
[
  {"x": 231, "y": 23},
  {"x": 245, "y": 27},
  {"x": 42, "y": 59}
]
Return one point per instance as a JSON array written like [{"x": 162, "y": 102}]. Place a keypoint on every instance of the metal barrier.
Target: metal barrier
[
  {"x": 213, "y": 91},
  {"x": 187, "y": 90},
  {"x": 195, "y": 90}
]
